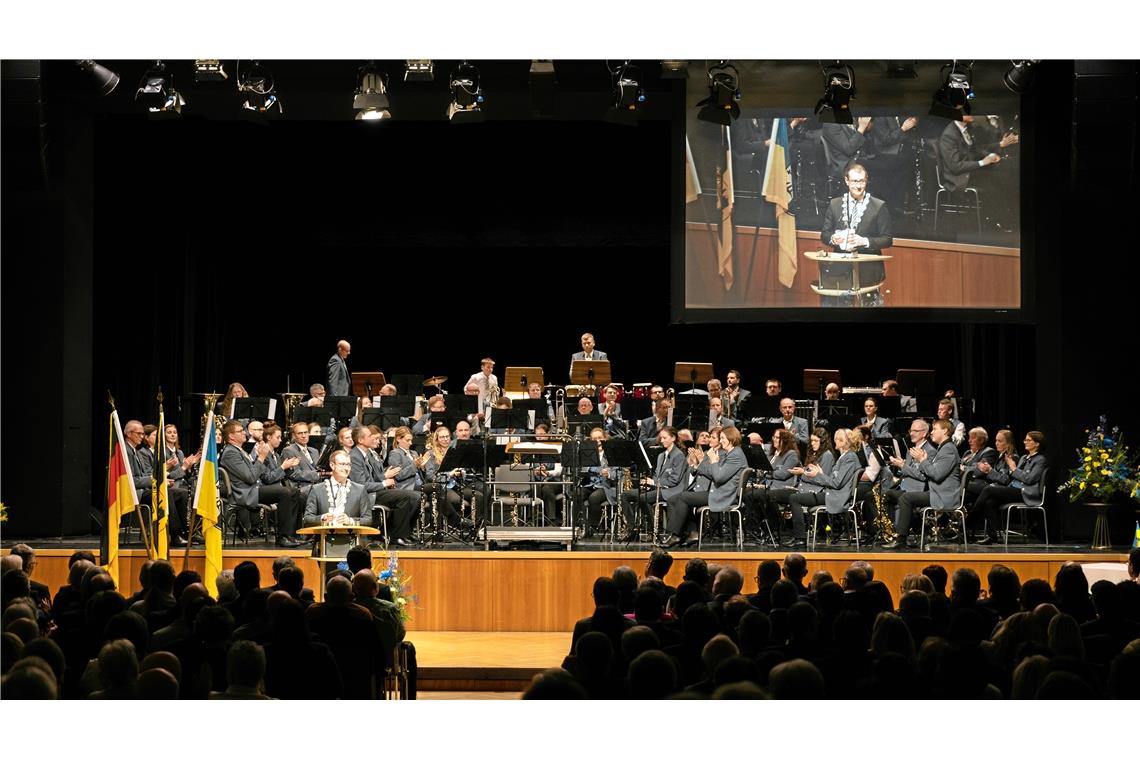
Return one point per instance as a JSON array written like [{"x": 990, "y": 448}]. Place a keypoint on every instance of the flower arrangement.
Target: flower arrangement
[
  {"x": 401, "y": 586},
  {"x": 1104, "y": 468}
]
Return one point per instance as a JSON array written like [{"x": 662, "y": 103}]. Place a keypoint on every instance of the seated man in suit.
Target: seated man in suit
[
  {"x": 305, "y": 474},
  {"x": 979, "y": 452},
  {"x": 316, "y": 395},
  {"x": 615, "y": 425},
  {"x": 960, "y": 153},
  {"x": 941, "y": 474},
  {"x": 338, "y": 501},
  {"x": 798, "y": 425},
  {"x": 650, "y": 427},
  {"x": 880, "y": 426},
  {"x": 245, "y": 470},
  {"x": 717, "y": 419},
  {"x": 381, "y": 485}
]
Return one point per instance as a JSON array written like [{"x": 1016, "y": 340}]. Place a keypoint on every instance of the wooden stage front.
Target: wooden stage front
[{"x": 499, "y": 591}]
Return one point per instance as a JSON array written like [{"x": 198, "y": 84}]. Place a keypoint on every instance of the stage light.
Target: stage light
[
  {"x": 156, "y": 92},
  {"x": 722, "y": 106},
  {"x": 466, "y": 94},
  {"x": 1019, "y": 77},
  {"x": 838, "y": 89},
  {"x": 105, "y": 80},
  {"x": 209, "y": 70},
  {"x": 628, "y": 94},
  {"x": 257, "y": 87},
  {"x": 371, "y": 98},
  {"x": 419, "y": 70},
  {"x": 674, "y": 69},
  {"x": 952, "y": 98}
]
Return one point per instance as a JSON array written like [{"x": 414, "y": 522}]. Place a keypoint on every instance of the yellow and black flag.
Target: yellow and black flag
[{"x": 122, "y": 499}]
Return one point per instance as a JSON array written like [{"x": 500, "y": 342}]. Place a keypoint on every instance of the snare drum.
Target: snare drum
[{"x": 641, "y": 390}]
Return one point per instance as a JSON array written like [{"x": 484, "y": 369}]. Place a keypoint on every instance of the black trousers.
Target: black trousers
[
  {"x": 403, "y": 506},
  {"x": 988, "y": 503},
  {"x": 549, "y": 492},
  {"x": 289, "y": 506},
  {"x": 681, "y": 510},
  {"x": 634, "y": 501},
  {"x": 908, "y": 503},
  {"x": 592, "y": 500}
]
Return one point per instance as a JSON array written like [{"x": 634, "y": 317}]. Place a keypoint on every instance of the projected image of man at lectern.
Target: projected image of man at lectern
[{"x": 856, "y": 224}]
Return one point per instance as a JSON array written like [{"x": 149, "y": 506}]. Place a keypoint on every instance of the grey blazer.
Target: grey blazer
[
  {"x": 970, "y": 460},
  {"x": 826, "y": 463},
  {"x": 943, "y": 475},
  {"x": 647, "y": 430},
  {"x": 580, "y": 355},
  {"x": 672, "y": 473},
  {"x": 838, "y": 484},
  {"x": 725, "y": 477},
  {"x": 306, "y": 471},
  {"x": 406, "y": 478},
  {"x": 881, "y": 427},
  {"x": 244, "y": 472},
  {"x": 799, "y": 428},
  {"x": 338, "y": 377},
  {"x": 1030, "y": 473},
  {"x": 272, "y": 472},
  {"x": 357, "y": 505},
  {"x": 912, "y": 478},
  {"x": 142, "y": 470},
  {"x": 780, "y": 477}
]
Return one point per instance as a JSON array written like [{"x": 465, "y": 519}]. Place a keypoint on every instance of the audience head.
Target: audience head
[
  {"x": 1034, "y": 593},
  {"x": 280, "y": 563},
  {"x": 938, "y": 576},
  {"x": 659, "y": 564},
  {"x": 1065, "y": 637},
  {"x": 638, "y": 639},
  {"x": 184, "y": 579},
  {"x": 728, "y": 582},
  {"x": 247, "y": 577},
  {"x": 767, "y": 573},
  {"x": 784, "y": 594},
  {"x": 796, "y": 679},
  {"x": 156, "y": 683},
  {"x": 359, "y": 558},
  {"x": 652, "y": 675},
  {"x": 593, "y": 652},
  {"x": 965, "y": 586},
  {"x": 855, "y": 578},
  {"x": 118, "y": 665},
  {"x": 338, "y": 592},
  {"x": 697, "y": 571},
  {"x": 245, "y": 665},
  {"x": 795, "y": 568},
  {"x": 164, "y": 660},
  {"x": 606, "y": 592},
  {"x": 554, "y": 683},
  {"x": 752, "y": 632},
  {"x": 818, "y": 578},
  {"x": 916, "y": 582},
  {"x": 28, "y": 680},
  {"x": 291, "y": 579},
  {"x": 48, "y": 651},
  {"x": 364, "y": 584}
]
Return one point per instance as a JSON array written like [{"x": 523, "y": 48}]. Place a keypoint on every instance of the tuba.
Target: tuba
[{"x": 290, "y": 401}]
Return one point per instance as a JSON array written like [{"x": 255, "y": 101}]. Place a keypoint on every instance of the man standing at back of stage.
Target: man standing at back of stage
[
  {"x": 855, "y": 223},
  {"x": 588, "y": 352},
  {"x": 340, "y": 380}
]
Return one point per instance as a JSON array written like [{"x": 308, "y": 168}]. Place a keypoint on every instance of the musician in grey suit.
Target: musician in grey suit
[
  {"x": 979, "y": 453},
  {"x": 670, "y": 477},
  {"x": 880, "y": 426},
  {"x": 723, "y": 466},
  {"x": 588, "y": 352},
  {"x": 836, "y": 486},
  {"x": 856, "y": 223},
  {"x": 960, "y": 152},
  {"x": 276, "y": 487},
  {"x": 244, "y": 469},
  {"x": 940, "y": 472},
  {"x": 339, "y": 378},
  {"x": 1023, "y": 482},
  {"x": 381, "y": 486},
  {"x": 844, "y": 143},
  {"x": 305, "y": 474},
  {"x": 788, "y": 418},
  {"x": 649, "y": 428},
  {"x": 735, "y": 397},
  {"x": 338, "y": 496},
  {"x": 402, "y": 459}
]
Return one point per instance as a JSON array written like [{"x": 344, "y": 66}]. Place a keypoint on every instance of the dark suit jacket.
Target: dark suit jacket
[
  {"x": 875, "y": 225},
  {"x": 957, "y": 159},
  {"x": 843, "y": 143},
  {"x": 357, "y": 505},
  {"x": 245, "y": 475},
  {"x": 339, "y": 382}
]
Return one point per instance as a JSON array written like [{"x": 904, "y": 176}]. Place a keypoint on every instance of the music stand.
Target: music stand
[
  {"x": 447, "y": 418},
  {"x": 367, "y": 383},
  {"x": 918, "y": 383},
  {"x": 404, "y": 406},
  {"x": 408, "y": 385},
  {"x": 341, "y": 407},
  {"x": 518, "y": 378},
  {"x": 310, "y": 414},
  {"x": 576, "y": 422},
  {"x": 462, "y": 403},
  {"x": 373, "y": 416},
  {"x": 508, "y": 419},
  {"x": 757, "y": 457},
  {"x": 636, "y": 409},
  {"x": 692, "y": 373},
  {"x": 689, "y": 408},
  {"x": 890, "y": 407},
  {"x": 253, "y": 408},
  {"x": 816, "y": 380},
  {"x": 536, "y": 405},
  {"x": 621, "y": 452},
  {"x": 766, "y": 430},
  {"x": 765, "y": 407},
  {"x": 585, "y": 372},
  {"x": 833, "y": 408}
]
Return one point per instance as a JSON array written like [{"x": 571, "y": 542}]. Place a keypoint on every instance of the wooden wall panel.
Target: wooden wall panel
[
  {"x": 921, "y": 274},
  {"x": 549, "y": 591}
]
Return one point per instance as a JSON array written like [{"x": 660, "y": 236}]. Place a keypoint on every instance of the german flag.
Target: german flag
[{"x": 122, "y": 499}]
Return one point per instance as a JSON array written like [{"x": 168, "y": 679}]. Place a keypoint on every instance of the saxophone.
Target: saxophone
[{"x": 883, "y": 522}]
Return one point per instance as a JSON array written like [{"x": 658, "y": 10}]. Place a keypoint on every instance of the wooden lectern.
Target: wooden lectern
[{"x": 334, "y": 541}]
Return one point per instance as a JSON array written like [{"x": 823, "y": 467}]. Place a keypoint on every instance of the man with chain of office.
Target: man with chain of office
[{"x": 856, "y": 223}]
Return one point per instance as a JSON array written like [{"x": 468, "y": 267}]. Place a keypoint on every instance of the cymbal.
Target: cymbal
[
  {"x": 551, "y": 387},
  {"x": 437, "y": 380}
]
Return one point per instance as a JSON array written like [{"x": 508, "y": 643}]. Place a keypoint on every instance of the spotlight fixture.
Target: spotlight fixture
[
  {"x": 674, "y": 69},
  {"x": 105, "y": 80},
  {"x": 419, "y": 70},
  {"x": 466, "y": 94},
  {"x": 209, "y": 70},
  {"x": 628, "y": 94},
  {"x": 952, "y": 99},
  {"x": 722, "y": 106},
  {"x": 1019, "y": 77},
  {"x": 838, "y": 89},
  {"x": 156, "y": 92},
  {"x": 257, "y": 86},
  {"x": 371, "y": 99}
]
